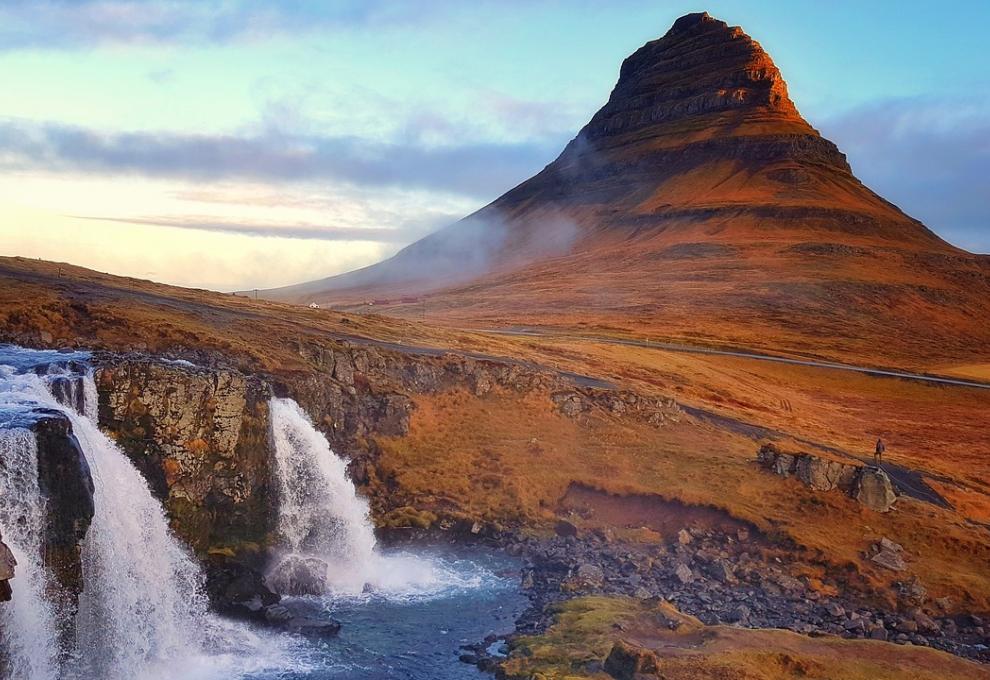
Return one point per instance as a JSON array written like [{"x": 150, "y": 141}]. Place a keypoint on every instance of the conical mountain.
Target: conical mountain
[{"x": 696, "y": 203}]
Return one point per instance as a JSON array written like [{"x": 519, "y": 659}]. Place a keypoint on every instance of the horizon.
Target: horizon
[{"x": 297, "y": 149}]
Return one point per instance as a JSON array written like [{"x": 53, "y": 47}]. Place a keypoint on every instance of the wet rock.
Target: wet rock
[
  {"x": 7, "y": 564},
  {"x": 626, "y": 661},
  {"x": 65, "y": 480},
  {"x": 237, "y": 590},
  {"x": 314, "y": 628},
  {"x": 299, "y": 575}
]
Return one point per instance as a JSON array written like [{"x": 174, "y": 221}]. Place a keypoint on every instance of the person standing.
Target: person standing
[{"x": 878, "y": 453}]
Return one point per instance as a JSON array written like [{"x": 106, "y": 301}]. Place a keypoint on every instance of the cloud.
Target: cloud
[
  {"x": 280, "y": 230},
  {"x": 930, "y": 157},
  {"x": 73, "y": 23},
  {"x": 479, "y": 169}
]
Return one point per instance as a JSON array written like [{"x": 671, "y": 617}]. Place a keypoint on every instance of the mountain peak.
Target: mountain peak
[{"x": 701, "y": 68}]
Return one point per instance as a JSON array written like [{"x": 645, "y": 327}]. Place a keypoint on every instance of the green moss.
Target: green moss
[{"x": 583, "y": 632}]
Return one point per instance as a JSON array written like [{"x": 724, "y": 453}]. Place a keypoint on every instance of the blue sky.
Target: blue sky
[{"x": 243, "y": 143}]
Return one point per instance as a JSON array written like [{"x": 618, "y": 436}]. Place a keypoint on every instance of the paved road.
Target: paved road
[{"x": 693, "y": 349}]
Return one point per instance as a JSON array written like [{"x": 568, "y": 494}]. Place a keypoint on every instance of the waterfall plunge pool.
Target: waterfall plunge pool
[{"x": 413, "y": 633}]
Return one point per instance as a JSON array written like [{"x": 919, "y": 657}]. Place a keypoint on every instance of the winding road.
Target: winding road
[{"x": 694, "y": 349}]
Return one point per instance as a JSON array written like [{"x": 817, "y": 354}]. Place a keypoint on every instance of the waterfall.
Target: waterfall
[
  {"x": 143, "y": 602},
  {"x": 28, "y": 624},
  {"x": 142, "y": 612},
  {"x": 325, "y": 528}
]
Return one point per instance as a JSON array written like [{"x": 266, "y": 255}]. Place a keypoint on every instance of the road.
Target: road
[{"x": 742, "y": 354}]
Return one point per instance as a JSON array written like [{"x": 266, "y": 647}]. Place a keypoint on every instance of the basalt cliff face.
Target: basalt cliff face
[{"x": 697, "y": 202}]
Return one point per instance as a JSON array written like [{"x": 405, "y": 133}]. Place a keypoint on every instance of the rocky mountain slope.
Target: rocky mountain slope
[{"x": 699, "y": 204}]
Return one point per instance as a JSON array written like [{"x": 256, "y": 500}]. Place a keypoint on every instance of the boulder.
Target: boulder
[
  {"x": 300, "y": 575},
  {"x": 874, "y": 489},
  {"x": 626, "y": 661},
  {"x": 237, "y": 590},
  {"x": 684, "y": 537}
]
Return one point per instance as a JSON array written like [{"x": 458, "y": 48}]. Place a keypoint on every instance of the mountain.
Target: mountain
[{"x": 696, "y": 204}]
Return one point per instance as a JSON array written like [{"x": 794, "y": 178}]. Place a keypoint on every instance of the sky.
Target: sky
[{"x": 237, "y": 144}]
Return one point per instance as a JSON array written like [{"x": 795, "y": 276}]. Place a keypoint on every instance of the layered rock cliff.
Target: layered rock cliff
[{"x": 201, "y": 435}]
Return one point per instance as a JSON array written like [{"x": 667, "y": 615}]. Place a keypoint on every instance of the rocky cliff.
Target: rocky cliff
[{"x": 200, "y": 435}]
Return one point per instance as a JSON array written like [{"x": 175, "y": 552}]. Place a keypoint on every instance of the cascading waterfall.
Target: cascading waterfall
[
  {"x": 28, "y": 625},
  {"x": 324, "y": 523},
  {"x": 142, "y": 612}
]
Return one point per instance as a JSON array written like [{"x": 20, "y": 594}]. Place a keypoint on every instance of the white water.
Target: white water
[
  {"x": 322, "y": 516},
  {"x": 142, "y": 613},
  {"x": 28, "y": 623}
]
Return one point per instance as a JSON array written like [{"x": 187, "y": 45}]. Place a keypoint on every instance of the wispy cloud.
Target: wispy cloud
[
  {"x": 930, "y": 157},
  {"x": 480, "y": 169},
  {"x": 296, "y": 230},
  {"x": 71, "y": 23}
]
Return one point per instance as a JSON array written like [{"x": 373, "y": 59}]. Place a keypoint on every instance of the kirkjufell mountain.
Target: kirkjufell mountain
[{"x": 699, "y": 203}]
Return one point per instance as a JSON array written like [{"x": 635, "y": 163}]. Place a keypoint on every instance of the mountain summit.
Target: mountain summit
[{"x": 696, "y": 201}]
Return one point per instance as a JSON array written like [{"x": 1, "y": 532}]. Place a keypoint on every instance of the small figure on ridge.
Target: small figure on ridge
[{"x": 878, "y": 453}]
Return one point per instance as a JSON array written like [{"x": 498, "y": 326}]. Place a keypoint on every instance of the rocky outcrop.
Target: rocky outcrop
[
  {"x": 870, "y": 486},
  {"x": 200, "y": 437},
  {"x": 66, "y": 483}
]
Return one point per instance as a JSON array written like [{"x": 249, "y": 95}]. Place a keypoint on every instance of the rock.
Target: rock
[
  {"x": 906, "y": 626},
  {"x": 590, "y": 574},
  {"x": 625, "y": 661},
  {"x": 65, "y": 480},
  {"x": 236, "y": 589},
  {"x": 298, "y": 575},
  {"x": 835, "y": 609},
  {"x": 565, "y": 529},
  {"x": 278, "y": 614},
  {"x": 684, "y": 537},
  {"x": 684, "y": 574},
  {"x": 889, "y": 559},
  {"x": 7, "y": 564},
  {"x": 874, "y": 489},
  {"x": 722, "y": 572},
  {"x": 739, "y": 615},
  {"x": 315, "y": 628},
  {"x": 887, "y": 544},
  {"x": 878, "y": 633}
]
